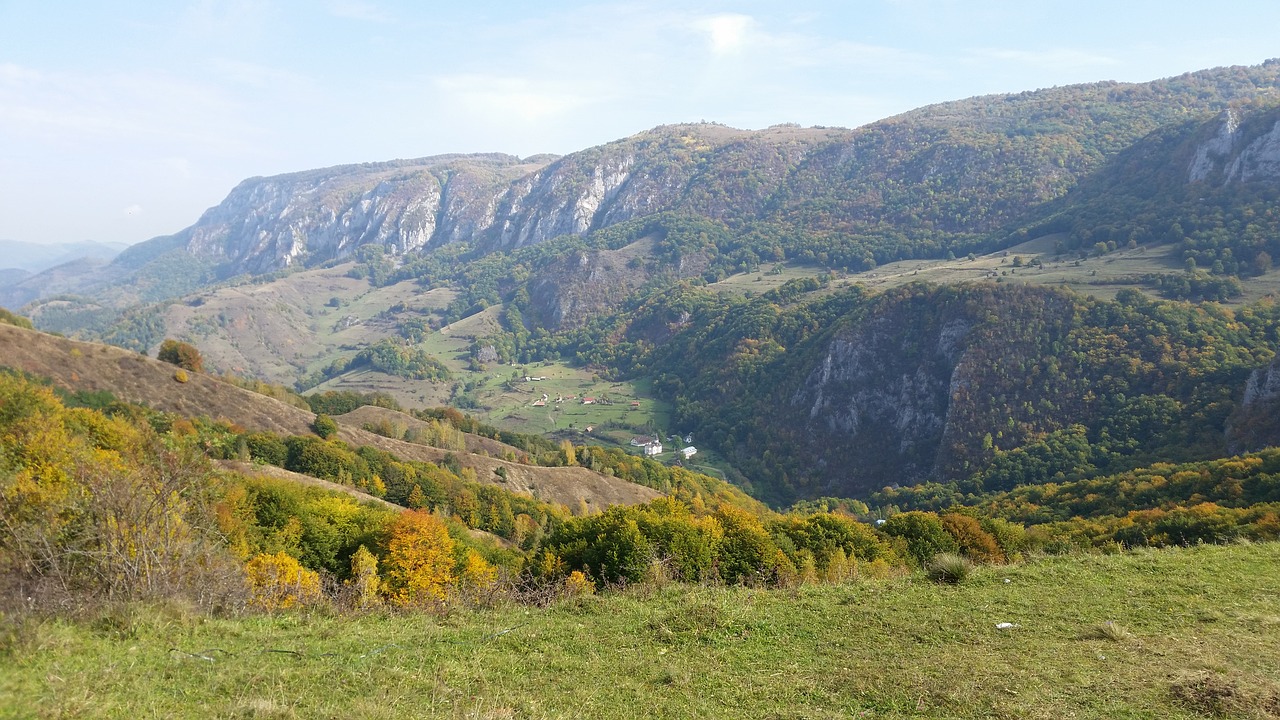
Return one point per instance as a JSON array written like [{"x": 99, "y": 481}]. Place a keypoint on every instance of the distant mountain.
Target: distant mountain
[
  {"x": 12, "y": 276},
  {"x": 953, "y": 177},
  {"x": 34, "y": 257}
]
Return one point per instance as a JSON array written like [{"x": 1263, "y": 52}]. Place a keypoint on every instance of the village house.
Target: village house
[
  {"x": 689, "y": 452},
  {"x": 653, "y": 448}
]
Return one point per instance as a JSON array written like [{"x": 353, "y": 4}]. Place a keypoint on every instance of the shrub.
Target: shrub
[
  {"x": 184, "y": 355},
  {"x": 924, "y": 534},
  {"x": 278, "y": 582},
  {"x": 325, "y": 426},
  {"x": 267, "y": 448},
  {"x": 577, "y": 584},
  {"x": 746, "y": 551},
  {"x": 9, "y": 318},
  {"x": 364, "y": 579},
  {"x": 948, "y": 568},
  {"x": 975, "y": 543},
  {"x": 181, "y": 376}
]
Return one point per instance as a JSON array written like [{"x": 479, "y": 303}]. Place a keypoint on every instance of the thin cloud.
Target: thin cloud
[{"x": 727, "y": 34}]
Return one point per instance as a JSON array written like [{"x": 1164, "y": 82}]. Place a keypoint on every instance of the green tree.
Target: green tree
[
  {"x": 184, "y": 355},
  {"x": 325, "y": 426},
  {"x": 923, "y": 532}
]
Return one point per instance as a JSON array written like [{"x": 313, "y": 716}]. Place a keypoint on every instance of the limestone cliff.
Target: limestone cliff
[
  {"x": 1256, "y": 424},
  {"x": 1238, "y": 149}
]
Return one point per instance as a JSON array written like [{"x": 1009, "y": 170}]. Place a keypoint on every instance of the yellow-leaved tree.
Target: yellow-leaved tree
[
  {"x": 477, "y": 573},
  {"x": 419, "y": 562},
  {"x": 278, "y": 581},
  {"x": 364, "y": 579}
]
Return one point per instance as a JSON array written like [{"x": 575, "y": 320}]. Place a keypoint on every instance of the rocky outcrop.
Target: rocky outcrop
[
  {"x": 1263, "y": 385},
  {"x": 496, "y": 202},
  {"x": 1238, "y": 149},
  {"x": 568, "y": 292},
  {"x": 1256, "y": 423},
  {"x": 878, "y": 403},
  {"x": 269, "y": 223}
]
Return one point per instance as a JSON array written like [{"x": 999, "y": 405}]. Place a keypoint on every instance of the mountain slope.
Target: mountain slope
[
  {"x": 133, "y": 377},
  {"x": 920, "y": 184}
]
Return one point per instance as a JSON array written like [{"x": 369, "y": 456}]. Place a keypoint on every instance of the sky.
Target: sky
[{"x": 122, "y": 120}]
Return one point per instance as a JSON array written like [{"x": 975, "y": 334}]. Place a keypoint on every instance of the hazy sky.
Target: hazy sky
[{"x": 123, "y": 119}]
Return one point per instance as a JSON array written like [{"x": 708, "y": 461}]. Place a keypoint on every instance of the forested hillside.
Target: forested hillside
[
  {"x": 945, "y": 178},
  {"x": 605, "y": 259}
]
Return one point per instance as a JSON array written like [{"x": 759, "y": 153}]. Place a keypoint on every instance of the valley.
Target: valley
[{"x": 527, "y": 361}]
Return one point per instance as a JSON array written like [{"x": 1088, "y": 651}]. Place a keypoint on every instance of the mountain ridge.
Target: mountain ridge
[{"x": 914, "y": 185}]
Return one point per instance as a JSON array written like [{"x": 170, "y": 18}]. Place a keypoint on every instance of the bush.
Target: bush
[
  {"x": 975, "y": 543},
  {"x": 948, "y": 568},
  {"x": 9, "y": 318},
  {"x": 181, "y": 376},
  {"x": 325, "y": 426},
  {"x": 182, "y": 354},
  {"x": 267, "y": 448},
  {"x": 278, "y": 582},
  {"x": 924, "y": 534}
]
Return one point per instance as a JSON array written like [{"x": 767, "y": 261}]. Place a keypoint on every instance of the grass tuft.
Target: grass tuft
[
  {"x": 948, "y": 568},
  {"x": 1109, "y": 630}
]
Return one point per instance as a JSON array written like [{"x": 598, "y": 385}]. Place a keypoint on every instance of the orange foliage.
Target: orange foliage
[{"x": 419, "y": 560}]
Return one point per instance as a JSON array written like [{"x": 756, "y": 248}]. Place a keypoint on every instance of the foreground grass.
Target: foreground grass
[{"x": 1170, "y": 634}]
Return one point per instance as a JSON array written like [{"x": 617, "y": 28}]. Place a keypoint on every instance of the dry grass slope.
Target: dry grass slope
[{"x": 88, "y": 366}]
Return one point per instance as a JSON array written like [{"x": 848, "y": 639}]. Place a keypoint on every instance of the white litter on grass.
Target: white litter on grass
[{"x": 1005, "y": 626}]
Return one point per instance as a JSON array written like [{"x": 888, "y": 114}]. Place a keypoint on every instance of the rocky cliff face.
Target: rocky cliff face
[
  {"x": 498, "y": 202},
  {"x": 1239, "y": 149},
  {"x": 905, "y": 390},
  {"x": 568, "y": 292},
  {"x": 1256, "y": 424},
  {"x": 883, "y": 388},
  {"x": 269, "y": 223}
]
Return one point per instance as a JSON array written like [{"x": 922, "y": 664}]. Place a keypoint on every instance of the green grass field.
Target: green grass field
[
  {"x": 1194, "y": 633},
  {"x": 1101, "y": 277}
]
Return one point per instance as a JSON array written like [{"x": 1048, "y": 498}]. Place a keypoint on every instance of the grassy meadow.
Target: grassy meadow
[
  {"x": 1102, "y": 276},
  {"x": 1182, "y": 633}
]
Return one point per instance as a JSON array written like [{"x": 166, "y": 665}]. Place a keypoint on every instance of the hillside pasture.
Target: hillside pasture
[{"x": 1178, "y": 634}]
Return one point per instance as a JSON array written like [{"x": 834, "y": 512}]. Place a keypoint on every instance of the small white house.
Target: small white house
[
  {"x": 653, "y": 448},
  {"x": 689, "y": 452}
]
